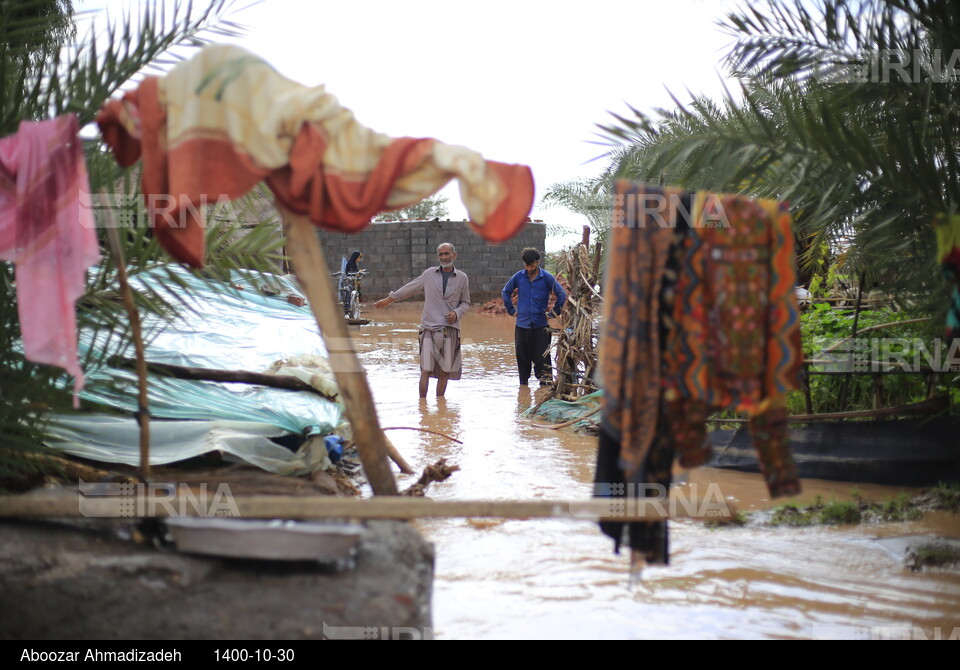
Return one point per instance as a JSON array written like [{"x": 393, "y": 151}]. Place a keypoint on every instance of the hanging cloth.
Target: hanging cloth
[
  {"x": 948, "y": 253},
  {"x": 47, "y": 231},
  {"x": 737, "y": 341},
  {"x": 699, "y": 315},
  {"x": 630, "y": 346},
  {"x": 734, "y": 340},
  {"x": 218, "y": 124}
]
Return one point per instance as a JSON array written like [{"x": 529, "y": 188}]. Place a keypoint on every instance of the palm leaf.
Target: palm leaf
[{"x": 43, "y": 75}]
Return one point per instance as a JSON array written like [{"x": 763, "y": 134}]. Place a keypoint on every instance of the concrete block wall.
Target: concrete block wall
[{"x": 394, "y": 252}]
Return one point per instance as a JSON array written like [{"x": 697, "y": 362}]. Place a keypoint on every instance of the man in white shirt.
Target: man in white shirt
[{"x": 446, "y": 298}]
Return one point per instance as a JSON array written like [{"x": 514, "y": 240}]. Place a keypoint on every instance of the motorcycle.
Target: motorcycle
[{"x": 349, "y": 285}]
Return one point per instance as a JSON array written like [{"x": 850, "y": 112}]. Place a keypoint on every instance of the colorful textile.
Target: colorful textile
[
  {"x": 738, "y": 338},
  {"x": 740, "y": 329},
  {"x": 948, "y": 253},
  {"x": 223, "y": 121},
  {"x": 768, "y": 432},
  {"x": 729, "y": 339},
  {"x": 630, "y": 354},
  {"x": 47, "y": 230}
]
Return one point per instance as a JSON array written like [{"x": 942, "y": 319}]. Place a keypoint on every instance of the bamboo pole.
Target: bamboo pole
[
  {"x": 143, "y": 407},
  {"x": 311, "y": 271},
  {"x": 332, "y": 507}
]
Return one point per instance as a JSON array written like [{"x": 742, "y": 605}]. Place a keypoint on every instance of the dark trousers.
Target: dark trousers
[{"x": 533, "y": 347}]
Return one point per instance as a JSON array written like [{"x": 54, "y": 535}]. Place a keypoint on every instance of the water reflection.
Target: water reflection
[
  {"x": 439, "y": 415},
  {"x": 559, "y": 579}
]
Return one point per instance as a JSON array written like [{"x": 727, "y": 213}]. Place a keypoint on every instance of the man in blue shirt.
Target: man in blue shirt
[{"x": 532, "y": 335}]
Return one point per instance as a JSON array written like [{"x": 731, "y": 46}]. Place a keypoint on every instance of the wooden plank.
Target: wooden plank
[
  {"x": 311, "y": 271},
  {"x": 380, "y": 507}
]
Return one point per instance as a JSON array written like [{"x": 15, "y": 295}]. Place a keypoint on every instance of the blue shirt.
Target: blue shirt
[{"x": 533, "y": 297}]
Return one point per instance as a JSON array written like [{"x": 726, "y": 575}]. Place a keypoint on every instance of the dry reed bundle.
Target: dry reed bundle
[{"x": 576, "y": 348}]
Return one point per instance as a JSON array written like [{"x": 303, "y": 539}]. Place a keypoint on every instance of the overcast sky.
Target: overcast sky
[{"x": 520, "y": 81}]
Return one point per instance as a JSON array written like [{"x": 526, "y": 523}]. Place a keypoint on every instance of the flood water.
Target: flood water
[{"x": 560, "y": 579}]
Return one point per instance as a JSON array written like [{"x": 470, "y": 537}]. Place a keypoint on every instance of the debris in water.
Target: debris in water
[{"x": 437, "y": 472}]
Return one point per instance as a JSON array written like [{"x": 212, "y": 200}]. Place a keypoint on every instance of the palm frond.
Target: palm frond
[
  {"x": 864, "y": 163},
  {"x": 44, "y": 74},
  {"x": 79, "y": 78}
]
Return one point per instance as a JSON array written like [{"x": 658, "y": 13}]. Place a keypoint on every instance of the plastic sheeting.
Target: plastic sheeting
[
  {"x": 115, "y": 439},
  {"x": 275, "y": 288},
  {"x": 225, "y": 328},
  {"x": 293, "y": 411},
  {"x": 562, "y": 411},
  {"x": 220, "y": 327}
]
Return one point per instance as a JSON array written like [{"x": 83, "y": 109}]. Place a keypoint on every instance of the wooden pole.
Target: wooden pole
[
  {"x": 332, "y": 507},
  {"x": 935, "y": 405},
  {"x": 877, "y": 390},
  {"x": 807, "y": 397},
  {"x": 567, "y": 367},
  {"x": 868, "y": 329},
  {"x": 143, "y": 407},
  {"x": 285, "y": 382},
  {"x": 845, "y": 383},
  {"x": 588, "y": 346},
  {"x": 311, "y": 271}
]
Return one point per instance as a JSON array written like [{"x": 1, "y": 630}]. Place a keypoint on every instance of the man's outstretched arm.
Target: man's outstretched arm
[{"x": 403, "y": 292}]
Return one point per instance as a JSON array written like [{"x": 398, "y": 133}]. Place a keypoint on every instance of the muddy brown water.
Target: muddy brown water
[{"x": 560, "y": 579}]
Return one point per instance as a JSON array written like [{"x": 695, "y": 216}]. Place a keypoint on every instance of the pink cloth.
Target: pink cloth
[{"x": 47, "y": 230}]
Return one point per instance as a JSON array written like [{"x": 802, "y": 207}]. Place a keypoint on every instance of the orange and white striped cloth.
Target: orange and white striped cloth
[{"x": 218, "y": 124}]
